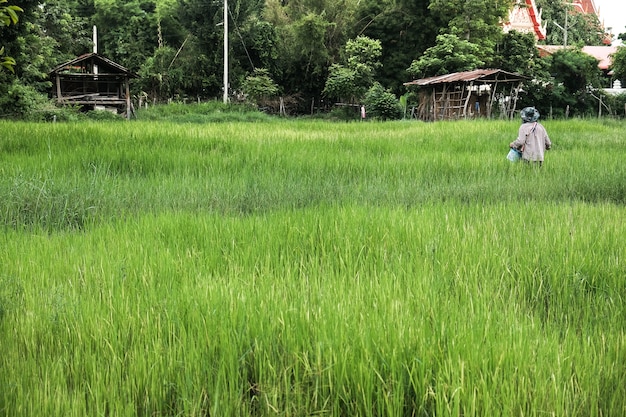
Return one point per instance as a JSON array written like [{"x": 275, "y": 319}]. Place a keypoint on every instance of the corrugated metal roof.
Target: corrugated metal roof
[{"x": 485, "y": 75}]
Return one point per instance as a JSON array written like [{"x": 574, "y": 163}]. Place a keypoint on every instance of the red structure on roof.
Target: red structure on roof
[
  {"x": 585, "y": 6},
  {"x": 589, "y": 7},
  {"x": 526, "y": 18}
]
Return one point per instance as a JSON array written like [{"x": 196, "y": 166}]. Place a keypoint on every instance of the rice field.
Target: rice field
[{"x": 307, "y": 268}]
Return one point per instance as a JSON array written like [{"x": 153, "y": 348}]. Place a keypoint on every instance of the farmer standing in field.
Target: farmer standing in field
[{"x": 532, "y": 138}]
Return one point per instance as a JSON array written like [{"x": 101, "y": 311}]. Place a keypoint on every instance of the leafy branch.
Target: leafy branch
[{"x": 8, "y": 15}]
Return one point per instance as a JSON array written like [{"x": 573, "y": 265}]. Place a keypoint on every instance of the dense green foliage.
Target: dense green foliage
[
  {"x": 619, "y": 64},
  {"x": 305, "y": 268},
  {"x": 382, "y": 104},
  {"x": 581, "y": 29},
  {"x": 350, "y": 80},
  {"x": 518, "y": 54},
  {"x": 405, "y": 28},
  {"x": 476, "y": 22},
  {"x": 8, "y": 15},
  {"x": 303, "y": 47},
  {"x": 572, "y": 73},
  {"x": 450, "y": 54}
]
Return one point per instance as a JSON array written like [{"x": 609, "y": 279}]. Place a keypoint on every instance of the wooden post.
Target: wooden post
[
  {"x": 492, "y": 96},
  {"x": 434, "y": 111},
  {"x": 127, "y": 98},
  {"x": 469, "y": 95},
  {"x": 59, "y": 93},
  {"x": 444, "y": 98},
  {"x": 515, "y": 101},
  {"x": 507, "y": 108}
]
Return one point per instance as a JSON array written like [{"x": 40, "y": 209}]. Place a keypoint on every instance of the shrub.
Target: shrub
[
  {"x": 382, "y": 104},
  {"x": 617, "y": 104},
  {"x": 21, "y": 101},
  {"x": 259, "y": 86}
]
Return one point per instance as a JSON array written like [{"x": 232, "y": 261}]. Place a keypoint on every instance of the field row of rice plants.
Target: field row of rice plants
[{"x": 303, "y": 268}]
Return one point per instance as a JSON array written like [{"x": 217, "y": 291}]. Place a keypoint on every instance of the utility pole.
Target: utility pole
[
  {"x": 225, "y": 51},
  {"x": 95, "y": 47},
  {"x": 566, "y": 28}
]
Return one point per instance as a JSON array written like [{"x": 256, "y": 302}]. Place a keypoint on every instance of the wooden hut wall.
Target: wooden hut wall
[
  {"x": 444, "y": 102},
  {"x": 450, "y": 101}
]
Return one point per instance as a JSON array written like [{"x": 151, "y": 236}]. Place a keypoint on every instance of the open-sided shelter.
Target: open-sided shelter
[
  {"x": 93, "y": 82},
  {"x": 468, "y": 94}
]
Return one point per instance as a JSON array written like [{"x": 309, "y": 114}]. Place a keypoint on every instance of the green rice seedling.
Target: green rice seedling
[{"x": 303, "y": 268}]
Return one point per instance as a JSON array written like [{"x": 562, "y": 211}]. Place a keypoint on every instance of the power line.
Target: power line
[{"x": 241, "y": 38}]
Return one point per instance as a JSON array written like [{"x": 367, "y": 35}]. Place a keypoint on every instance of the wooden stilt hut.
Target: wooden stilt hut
[
  {"x": 94, "y": 83},
  {"x": 469, "y": 94}
]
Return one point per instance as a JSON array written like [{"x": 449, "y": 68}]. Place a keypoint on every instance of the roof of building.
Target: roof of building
[
  {"x": 525, "y": 17},
  {"x": 104, "y": 65},
  {"x": 601, "y": 53},
  {"x": 585, "y": 6},
  {"x": 481, "y": 75}
]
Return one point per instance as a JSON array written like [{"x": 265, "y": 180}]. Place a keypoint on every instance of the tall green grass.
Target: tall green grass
[
  {"x": 304, "y": 268},
  {"x": 207, "y": 112},
  {"x": 63, "y": 175}
]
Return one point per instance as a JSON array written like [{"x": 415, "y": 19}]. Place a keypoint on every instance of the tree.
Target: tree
[
  {"x": 159, "y": 78},
  {"x": 341, "y": 83},
  {"x": 382, "y": 104},
  {"x": 575, "y": 74},
  {"x": 619, "y": 64},
  {"x": 351, "y": 80},
  {"x": 304, "y": 55},
  {"x": 518, "y": 53},
  {"x": 127, "y": 30},
  {"x": 449, "y": 55},
  {"x": 70, "y": 31},
  {"x": 582, "y": 28},
  {"x": 251, "y": 41},
  {"x": 48, "y": 36},
  {"x": 475, "y": 21},
  {"x": 259, "y": 86},
  {"x": 575, "y": 69},
  {"x": 8, "y": 15},
  {"x": 310, "y": 35},
  {"x": 405, "y": 29}
]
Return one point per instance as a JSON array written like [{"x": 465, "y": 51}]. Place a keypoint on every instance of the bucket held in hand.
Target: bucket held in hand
[{"x": 514, "y": 155}]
